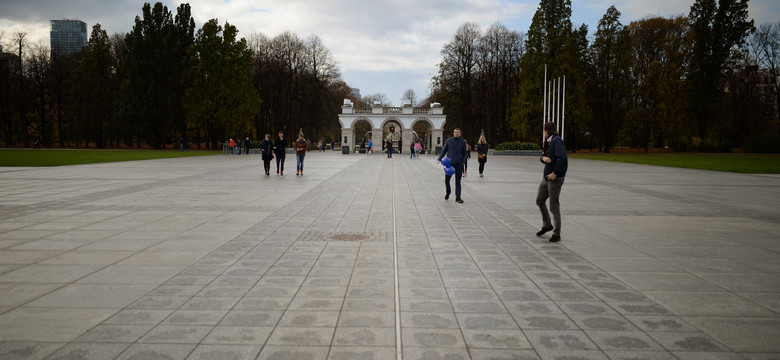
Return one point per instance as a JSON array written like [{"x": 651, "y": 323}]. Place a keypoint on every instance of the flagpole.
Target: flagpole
[
  {"x": 544, "y": 102},
  {"x": 563, "y": 120}
]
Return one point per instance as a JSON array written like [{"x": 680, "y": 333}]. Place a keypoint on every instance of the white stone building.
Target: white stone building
[{"x": 402, "y": 124}]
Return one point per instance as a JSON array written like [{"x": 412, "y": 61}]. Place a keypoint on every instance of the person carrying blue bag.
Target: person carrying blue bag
[{"x": 455, "y": 150}]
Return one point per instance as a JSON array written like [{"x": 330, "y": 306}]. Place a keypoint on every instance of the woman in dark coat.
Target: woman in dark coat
[
  {"x": 267, "y": 147},
  {"x": 482, "y": 151}
]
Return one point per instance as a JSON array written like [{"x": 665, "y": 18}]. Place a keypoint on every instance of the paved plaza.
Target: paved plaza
[{"x": 362, "y": 258}]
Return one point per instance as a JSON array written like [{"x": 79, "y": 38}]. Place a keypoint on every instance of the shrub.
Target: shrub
[
  {"x": 679, "y": 144},
  {"x": 255, "y": 144},
  {"x": 517, "y": 145},
  {"x": 765, "y": 144}
]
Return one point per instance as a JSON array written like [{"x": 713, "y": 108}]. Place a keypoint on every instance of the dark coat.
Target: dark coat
[
  {"x": 267, "y": 147},
  {"x": 280, "y": 145},
  {"x": 482, "y": 149},
  {"x": 455, "y": 149},
  {"x": 555, "y": 149}
]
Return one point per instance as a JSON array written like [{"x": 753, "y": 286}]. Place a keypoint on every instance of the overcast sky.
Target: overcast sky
[{"x": 381, "y": 46}]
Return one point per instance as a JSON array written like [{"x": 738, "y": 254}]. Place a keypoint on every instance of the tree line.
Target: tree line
[
  {"x": 707, "y": 81},
  {"x": 166, "y": 81}
]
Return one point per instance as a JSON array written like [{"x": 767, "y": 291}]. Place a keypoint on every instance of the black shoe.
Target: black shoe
[
  {"x": 447, "y": 197},
  {"x": 459, "y": 201},
  {"x": 555, "y": 238},
  {"x": 544, "y": 230}
]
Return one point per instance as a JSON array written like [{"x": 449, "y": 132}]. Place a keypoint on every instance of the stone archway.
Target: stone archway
[
  {"x": 393, "y": 129},
  {"x": 423, "y": 130},
  {"x": 363, "y": 133}
]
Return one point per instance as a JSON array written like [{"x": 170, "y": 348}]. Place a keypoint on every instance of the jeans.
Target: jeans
[
  {"x": 299, "y": 162},
  {"x": 458, "y": 174},
  {"x": 481, "y": 166},
  {"x": 552, "y": 190},
  {"x": 389, "y": 152},
  {"x": 280, "y": 161}
]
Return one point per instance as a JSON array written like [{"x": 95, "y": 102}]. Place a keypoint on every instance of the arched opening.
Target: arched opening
[
  {"x": 394, "y": 130},
  {"x": 422, "y": 130},
  {"x": 362, "y": 129}
]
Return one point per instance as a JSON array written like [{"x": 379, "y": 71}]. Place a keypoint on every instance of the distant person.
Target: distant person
[
  {"x": 238, "y": 147},
  {"x": 246, "y": 145},
  {"x": 321, "y": 145},
  {"x": 232, "y": 146},
  {"x": 417, "y": 149},
  {"x": 267, "y": 150},
  {"x": 455, "y": 149},
  {"x": 482, "y": 151},
  {"x": 411, "y": 150},
  {"x": 556, "y": 163},
  {"x": 300, "y": 145},
  {"x": 181, "y": 143},
  {"x": 370, "y": 147},
  {"x": 280, "y": 145},
  {"x": 389, "y": 147},
  {"x": 466, "y": 161},
  {"x": 37, "y": 144}
]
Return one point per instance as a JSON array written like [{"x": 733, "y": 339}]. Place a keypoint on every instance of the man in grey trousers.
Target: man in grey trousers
[{"x": 555, "y": 165}]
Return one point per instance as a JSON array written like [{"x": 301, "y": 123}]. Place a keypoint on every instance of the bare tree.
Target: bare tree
[
  {"x": 764, "y": 46},
  {"x": 22, "y": 93},
  {"x": 369, "y": 99},
  {"x": 409, "y": 97},
  {"x": 456, "y": 72},
  {"x": 39, "y": 72}
]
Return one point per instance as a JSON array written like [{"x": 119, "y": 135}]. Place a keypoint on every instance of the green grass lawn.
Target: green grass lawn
[
  {"x": 738, "y": 163},
  {"x": 46, "y": 157}
]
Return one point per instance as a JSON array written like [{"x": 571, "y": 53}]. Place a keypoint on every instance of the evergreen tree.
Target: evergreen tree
[
  {"x": 609, "y": 80},
  {"x": 718, "y": 31},
  {"x": 219, "y": 97},
  {"x": 551, "y": 41},
  {"x": 152, "y": 84},
  {"x": 94, "y": 90}
]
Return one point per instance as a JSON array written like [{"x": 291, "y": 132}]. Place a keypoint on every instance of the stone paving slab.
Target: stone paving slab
[{"x": 362, "y": 258}]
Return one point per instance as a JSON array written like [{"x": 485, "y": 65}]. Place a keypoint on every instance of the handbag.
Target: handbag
[{"x": 481, "y": 156}]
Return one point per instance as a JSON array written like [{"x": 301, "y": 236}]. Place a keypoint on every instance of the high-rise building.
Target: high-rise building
[{"x": 68, "y": 36}]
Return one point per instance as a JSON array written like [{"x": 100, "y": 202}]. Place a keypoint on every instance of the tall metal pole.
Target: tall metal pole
[
  {"x": 555, "y": 102},
  {"x": 560, "y": 111},
  {"x": 544, "y": 102},
  {"x": 563, "y": 120}
]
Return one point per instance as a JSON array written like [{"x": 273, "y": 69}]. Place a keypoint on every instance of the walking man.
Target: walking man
[
  {"x": 455, "y": 149},
  {"x": 280, "y": 144},
  {"x": 555, "y": 165}
]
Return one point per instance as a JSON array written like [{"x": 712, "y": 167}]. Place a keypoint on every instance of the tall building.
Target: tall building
[{"x": 68, "y": 36}]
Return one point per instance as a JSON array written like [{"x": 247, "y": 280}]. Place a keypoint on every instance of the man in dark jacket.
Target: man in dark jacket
[
  {"x": 455, "y": 149},
  {"x": 555, "y": 165},
  {"x": 280, "y": 144}
]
